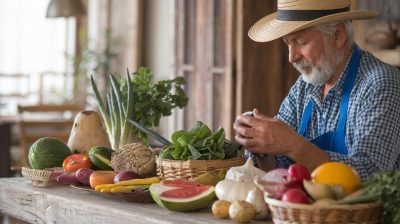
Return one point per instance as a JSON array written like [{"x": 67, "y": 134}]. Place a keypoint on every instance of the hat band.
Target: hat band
[{"x": 306, "y": 15}]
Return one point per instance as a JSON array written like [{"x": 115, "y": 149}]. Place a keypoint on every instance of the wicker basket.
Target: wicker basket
[
  {"x": 39, "y": 178},
  {"x": 185, "y": 169},
  {"x": 290, "y": 213}
]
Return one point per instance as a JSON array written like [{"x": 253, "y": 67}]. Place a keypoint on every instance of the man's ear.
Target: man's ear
[{"x": 340, "y": 35}]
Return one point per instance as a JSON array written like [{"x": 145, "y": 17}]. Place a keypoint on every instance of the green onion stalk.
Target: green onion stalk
[
  {"x": 136, "y": 98},
  {"x": 119, "y": 130}
]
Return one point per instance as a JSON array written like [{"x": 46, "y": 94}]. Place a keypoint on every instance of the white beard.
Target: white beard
[{"x": 323, "y": 70}]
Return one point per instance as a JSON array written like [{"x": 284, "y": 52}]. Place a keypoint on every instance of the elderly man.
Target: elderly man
[{"x": 346, "y": 104}]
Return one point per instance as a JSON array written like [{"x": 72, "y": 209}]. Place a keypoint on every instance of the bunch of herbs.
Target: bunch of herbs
[
  {"x": 386, "y": 187},
  {"x": 137, "y": 97}
]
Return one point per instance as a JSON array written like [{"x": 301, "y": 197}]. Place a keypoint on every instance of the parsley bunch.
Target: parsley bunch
[{"x": 386, "y": 186}]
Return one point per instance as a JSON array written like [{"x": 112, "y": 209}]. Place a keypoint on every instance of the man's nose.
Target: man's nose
[{"x": 293, "y": 54}]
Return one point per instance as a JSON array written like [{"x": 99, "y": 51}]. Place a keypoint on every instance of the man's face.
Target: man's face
[{"x": 312, "y": 53}]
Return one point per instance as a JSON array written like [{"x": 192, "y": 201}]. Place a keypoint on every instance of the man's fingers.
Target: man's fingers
[
  {"x": 242, "y": 130},
  {"x": 246, "y": 142},
  {"x": 242, "y": 119}
]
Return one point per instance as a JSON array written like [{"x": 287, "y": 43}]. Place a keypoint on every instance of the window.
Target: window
[{"x": 30, "y": 44}]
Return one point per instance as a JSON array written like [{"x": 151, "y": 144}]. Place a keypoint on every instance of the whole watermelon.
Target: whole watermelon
[{"x": 48, "y": 152}]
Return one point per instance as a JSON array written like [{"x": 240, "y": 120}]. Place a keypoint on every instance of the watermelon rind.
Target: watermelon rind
[
  {"x": 101, "y": 157},
  {"x": 48, "y": 152},
  {"x": 194, "y": 203}
]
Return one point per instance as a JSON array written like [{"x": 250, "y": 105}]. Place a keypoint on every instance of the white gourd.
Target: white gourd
[
  {"x": 247, "y": 172},
  {"x": 87, "y": 132},
  {"x": 231, "y": 190},
  {"x": 256, "y": 198}
]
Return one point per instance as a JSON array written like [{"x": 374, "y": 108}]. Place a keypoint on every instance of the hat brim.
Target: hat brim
[{"x": 269, "y": 28}]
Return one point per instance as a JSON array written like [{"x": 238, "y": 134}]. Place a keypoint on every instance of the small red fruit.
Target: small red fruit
[
  {"x": 295, "y": 196},
  {"x": 298, "y": 172}
]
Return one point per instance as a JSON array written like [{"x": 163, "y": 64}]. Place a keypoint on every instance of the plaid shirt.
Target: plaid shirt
[{"x": 373, "y": 119}]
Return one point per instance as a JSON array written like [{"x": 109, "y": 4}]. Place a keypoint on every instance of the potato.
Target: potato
[
  {"x": 220, "y": 209},
  {"x": 241, "y": 211}
]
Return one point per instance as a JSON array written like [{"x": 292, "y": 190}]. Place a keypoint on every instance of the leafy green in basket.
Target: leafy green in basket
[
  {"x": 200, "y": 143},
  {"x": 383, "y": 187}
]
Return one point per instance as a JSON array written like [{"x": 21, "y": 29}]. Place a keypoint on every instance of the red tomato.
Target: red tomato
[{"x": 75, "y": 162}]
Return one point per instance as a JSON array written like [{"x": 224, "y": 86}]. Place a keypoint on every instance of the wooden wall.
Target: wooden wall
[
  {"x": 264, "y": 75},
  {"x": 227, "y": 73}
]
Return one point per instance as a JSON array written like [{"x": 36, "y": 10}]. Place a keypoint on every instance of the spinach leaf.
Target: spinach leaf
[{"x": 199, "y": 142}]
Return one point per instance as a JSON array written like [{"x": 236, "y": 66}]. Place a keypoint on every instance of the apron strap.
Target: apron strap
[
  {"x": 350, "y": 72},
  {"x": 305, "y": 119},
  {"x": 348, "y": 86}
]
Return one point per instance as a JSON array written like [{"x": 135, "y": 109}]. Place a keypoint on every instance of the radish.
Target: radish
[
  {"x": 298, "y": 172},
  {"x": 276, "y": 183},
  {"x": 295, "y": 196}
]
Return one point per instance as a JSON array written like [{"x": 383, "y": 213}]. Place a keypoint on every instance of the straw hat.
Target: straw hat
[{"x": 295, "y": 15}]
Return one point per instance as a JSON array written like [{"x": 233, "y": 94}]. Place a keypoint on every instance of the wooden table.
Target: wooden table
[{"x": 64, "y": 204}]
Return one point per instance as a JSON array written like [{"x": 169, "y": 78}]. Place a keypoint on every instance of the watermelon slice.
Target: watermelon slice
[{"x": 182, "y": 195}]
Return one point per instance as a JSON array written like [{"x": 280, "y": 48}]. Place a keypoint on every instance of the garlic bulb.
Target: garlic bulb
[
  {"x": 256, "y": 198},
  {"x": 247, "y": 172},
  {"x": 230, "y": 190}
]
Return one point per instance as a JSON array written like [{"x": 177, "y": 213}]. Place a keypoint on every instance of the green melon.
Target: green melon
[
  {"x": 181, "y": 196},
  {"x": 101, "y": 157},
  {"x": 48, "y": 152}
]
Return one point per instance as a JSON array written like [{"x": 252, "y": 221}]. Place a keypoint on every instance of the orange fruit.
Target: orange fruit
[
  {"x": 101, "y": 177},
  {"x": 337, "y": 173}
]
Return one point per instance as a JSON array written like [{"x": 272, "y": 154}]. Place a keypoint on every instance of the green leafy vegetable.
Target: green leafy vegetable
[
  {"x": 135, "y": 97},
  {"x": 383, "y": 187},
  {"x": 386, "y": 185},
  {"x": 200, "y": 143}
]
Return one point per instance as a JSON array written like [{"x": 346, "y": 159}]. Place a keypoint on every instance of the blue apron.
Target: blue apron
[{"x": 334, "y": 141}]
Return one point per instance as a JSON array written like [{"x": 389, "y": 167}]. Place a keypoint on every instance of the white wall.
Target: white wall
[
  {"x": 157, "y": 42},
  {"x": 158, "y": 47}
]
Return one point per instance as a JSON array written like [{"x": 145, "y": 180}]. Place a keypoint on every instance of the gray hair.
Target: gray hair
[{"x": 330, "y": 29}]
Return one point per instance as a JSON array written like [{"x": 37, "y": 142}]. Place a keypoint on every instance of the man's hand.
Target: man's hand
[
  {"x": 262, "y": 134},
  {"x": 265, "y": 135}
]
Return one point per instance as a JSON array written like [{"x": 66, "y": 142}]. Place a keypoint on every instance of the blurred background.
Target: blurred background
[{"x": 50, "y": 48}]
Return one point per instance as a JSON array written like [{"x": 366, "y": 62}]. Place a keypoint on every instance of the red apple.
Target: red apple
[
  {"x": 298, "y": 173},
  {"x": 295, "y": 196}
]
